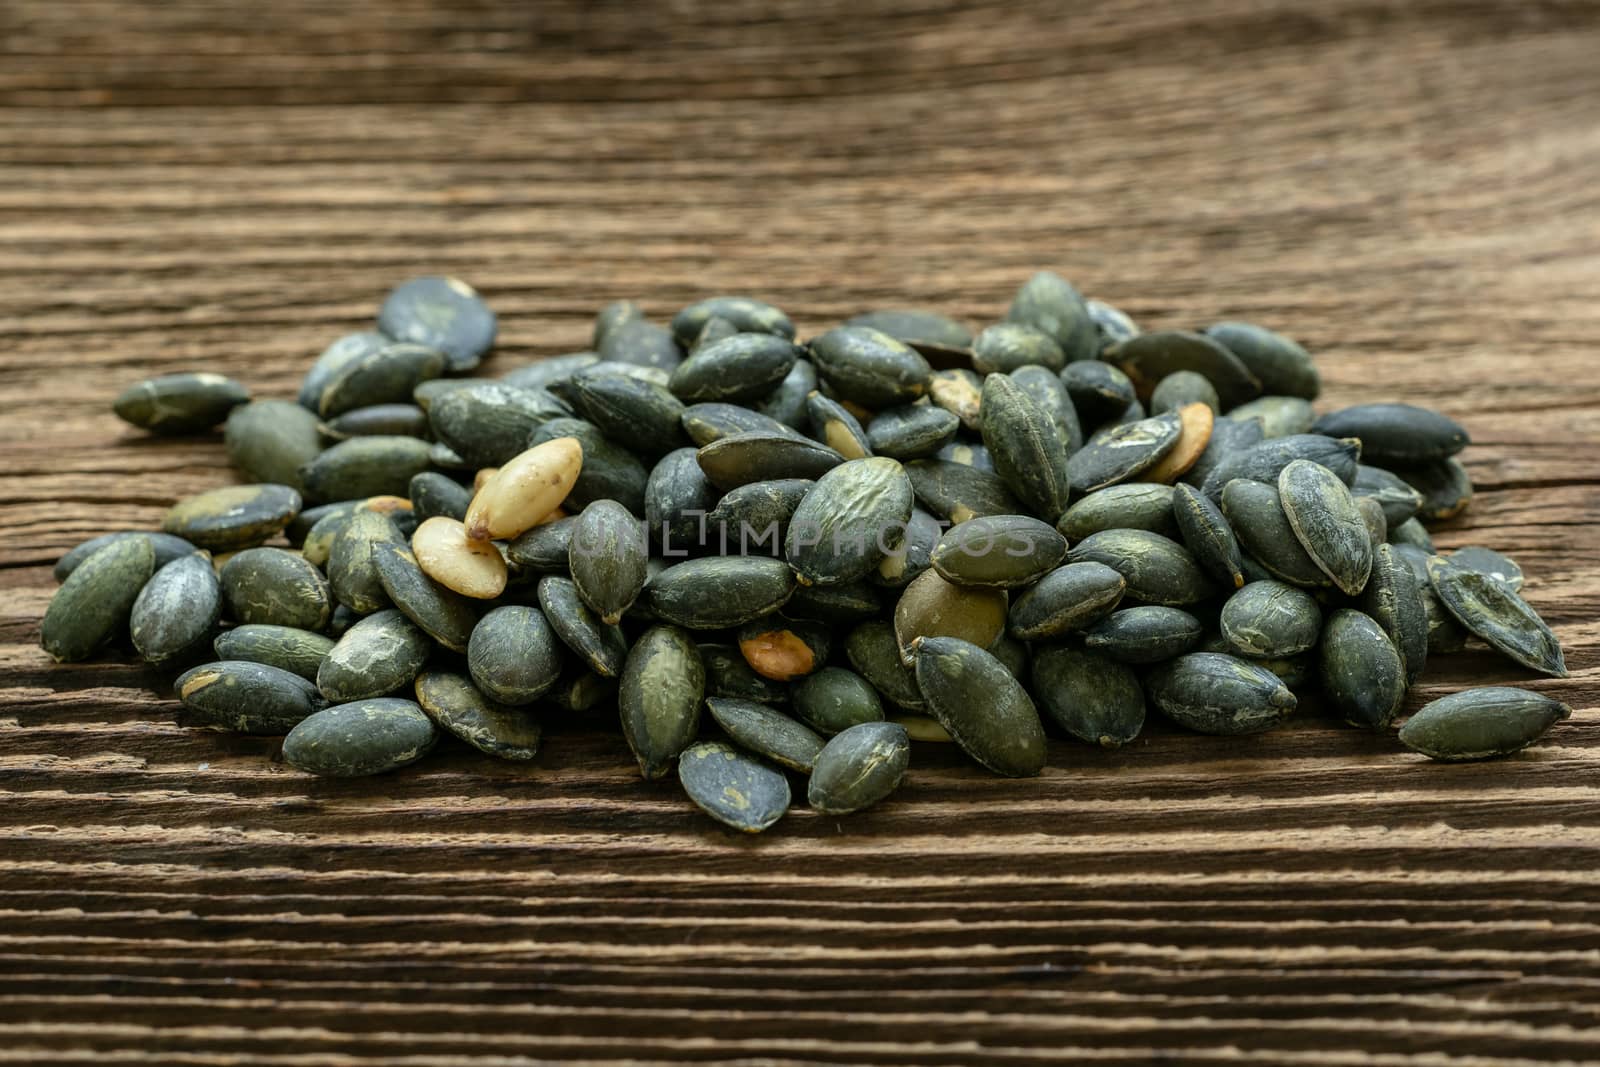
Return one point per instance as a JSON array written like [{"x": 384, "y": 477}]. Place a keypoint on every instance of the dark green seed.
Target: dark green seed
[
  {"x": 276, "y": 587},
  {"x": 747, "y": 315},
  {"x": 677, "y": 499},
  {"x": 1113, "y": 325},
  {"x": 1372, "y": 517},
  {"x": 717, "y": 593},
  {"x": 565, "y": 390},
  {"x": 662, "y": 686},
  {"x": 1481, "y": 723},
  {"x": 875, "y": 654},
  {"x": 427, "y": 392},
  {"x": 1134, "y": 506},
  {"x": 1488, "y": 561},
  {"x": 177, "y": 610},
  {"x": 1099, "y": 391},
  {"x": 179, "y": 403},
  {"x": 733, "y": 788},
  {"x": 1004, "y": 347},
  {"x": 1396, "y": 434},
  {"x": 766, "y": 732},
  {"x": 742, "y": 458},
  {"x": 914, "y": 553},
  {"x": 641, "y": 344},
  {"x": 456, "y": 705},
  {"x": 1029, "y": 454},
  {"x": 1411, "y": 532},
  {"x": 490, "y": 423},
  {"x": 1012, "y": 654},
  {"x": 862, "y": 765},
  {"x": 705, "y": 423},
  {"x": 1280, "y": 416},
  {"x": 1490, "y": 609},
  {"x": 352, "y": 567},
  {"x": 1265, "y": 462},
  {"x": 343, "y": 619},
  {"x": 1445, "y": 488},
  {"x": 1045, "y": 387},
  {"x": 445, "y": 458},
  {"x": 1182, "y": 388},
  {"x": 245, "y": 698},
  {"x": 542, "y": 373},
  {"x": 1050, "y": 304},
  {"x": 1327, "y": 523},
  {"x": 839, "y": 604},
  {"x": 360, "y": 738},
  {"x": 235, "y": 516},
  {"x": 911, "y": 431},
  {"x": 715, "y": 329},
  {"x": 1000, "y": 551},
  {"x": 296, "y": 651},
  {"x": 981, "y": 705},
  {"x": 957, "y": 492},
  {"x": 581, "y": 690},
  {"x": 1393, "y": 599},
  {"x": 1257, "y": 517},
  {"x": 834, "y": 425},
  {"x": 388, "y": 375},
  {"x": 740, "y": 369},
  {"x": 1361, "y": 672},
  {"x": 1150, "y": 357},
  {"x": 1217, "y": 694},
  {"x": 1229, "y": 436},
  {"x": 1119, "y": 453},
  {"x": 433, "y": 494},
  {"x": 914, "y": 325},
  {"x": 1399, "y": 501},
  {"x": 1146, "y": 634},
  {"x": 446, "y": 616},
  {"x": 608, "y": 557},
  {"x": 1208, "y": 536},
  {"x": 933, "y": 607},
  {"x": 834, "y": 699},
  {"x": 377, "y": 656},
  {"x": 513, "y": 655},
  {"x": 603, "y": 648},
  {"x": 543, "y": 549},
  {"x": 636, "y": 414},
  {"x": 849, "y": 521},
  {"x": 728, "y": 675},
  {"x": 753, "y": 519},
  {"x": 787, "y": 403},
  {"x": 960, "y": 392},
  {"x": 1270, "y": 619},
  {"x": 1092, "y": 697},
  {"x": 365, "y": 466},
  {"x": 613, "y": 315},
  {"x": 378, "y": 420},
  {"x": 442, "y": 313},
  {"x": 334, "y": 358},
  {"x": 165, "y": 549},
  {"x": 1280, "y": 364},
  {"x": 870, "y": 368},
  {"x": 1158, "y": 570}
]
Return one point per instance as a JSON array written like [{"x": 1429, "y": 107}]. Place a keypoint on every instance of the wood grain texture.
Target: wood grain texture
[{"x": 1406, "y": 187}]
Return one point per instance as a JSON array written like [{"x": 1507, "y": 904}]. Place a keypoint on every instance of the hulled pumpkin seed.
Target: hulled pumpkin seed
[
  {"x": 784, "y": 650},
  {"x": 1158, "y": 570},
  {"x": 911, "y": 431},
  {"x": 1207, "y": 535},
  {"x": 960, "y": 392},
  {"x": 870, "y": 368},
  {"x": 958, "y": 492},
  {"x": 733, "y": 788},
  {"x": 433, "y": 494},
  {"x": 352, "y": 570},
  {"x": 246, "y": 698},
  {"x": 1327, "y": 523},
  {"x": 1050, "y": 304},
  {"x": 1068, "y": 598},
  {"x": 446, "y": 616},
  {"x": 1181, "y": 388},
  {"x": 747, "y": 314},
  {"x": 360, "y": 738},
  {"x": 513, "y": 655},
  {"x": 1218, "y": 694},
  {"x": 608, "y": 558},
  {"x": 377, "y": 656},
  {"x": 608, "y": 471},
  {"x": 933, "y": 607},
  {"x": 1491, "y": 610},
  {"x": 1270, "y": 619},
  {"x": 1280, "y": 364},
  {"x": 1481, "y": 723},
  {"x": 1280, "y": 416},
  {"x": 1000, "y": 551},
  {"x": 834, "y": 699},
  {"x": 165, "y": 549},
  {"x": 296, "y": 651},
  {"x": 721, "y": 592},
  {"x": 861, "y": 766},
  {"x": 453, "y": 702},
  {"x": 1146, "y": 634},
  {"x": 1092, "y": 697},
  {"x": 177, "y": 610},
  {"x": 179, "y": 403},
  {"x": 1257, "y": 517},
  {"x": 1361, "y": 671},
  {"x": 1393, "y": 598},
  {"x": 94, "y": 603},
  {"x": 787, "y": 403},
  {"x": 1487, "y": 561},
  {"x": 1004, "y": 347},
  {"x": 276, "y": 587},
  {"x": 235, "y": 516},
  {"x": 766, "y": 732},
  {"x": 983, "y": 707},
  {"x": 849, "y": 521},
  {"x": 662, "y": 686},
  {"x": 525, "y": 491},
  {"x": 1444, "y": 485},
  {"x": 744, "y": 367},
  {"x": 1396, "y": 434},
  {"x": 1029, "y": 455},
  {"x": 705, "y": 423},
  {"x": 443, "y": 313},
  {"x": 742, "y": 458},
  {"x": 1119, "y": 453},
  {"x": 875, "y": 654},
  {"x": 365, "y": 466}
]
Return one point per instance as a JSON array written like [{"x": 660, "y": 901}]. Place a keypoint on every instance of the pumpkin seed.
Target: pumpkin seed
[
  {"x": 345, "y": 350},
  {"x": 447, "y": 617},
  {"x": 753, "y": 519},
  {"x": 721, "y": 592},
  {"x": 766, "y": 732},
  {"x": 1195, "y": 422},
  {"x": 1393, "y": 599},
  {"x": 275, "y": 587},
  {"x": 848, "y": 521},
  {"x": 1491, "y": 610},
  {"x": 914, "y": 326},
  {"x": 235, "y": 516},
  {"x": 1158, "y": 570},
  {"x": 1119, "y": 453},
  {"x": 1099, "y": 391},
  {"x": 385, "y": 375},
  {"x": 784, "y": 650},
  {"x": 542, "y": 373},
  {"x": 715, "y": 329},
  {"x": 861, "y": 766},
  {"x": 1361, "y": 671},
  {"x": 639, "y": 415},
  {"x": 1228, "y": 437},
  {"x": 1045, "y": 387},
  {"x": 1372, "y": 518},
  {"x": 1481, "y": 723},
  {"x": 1208, "y": 536},
  {"x": 1398, "y": 500},
  {"x": 1280, "y": 364},
  {"x": 1270, "y": 619},
  {"x": 911, "y": 431},
  {"x": 1327, "y": 523},
  {"x": 363, "y": 467},
  {"x": 1006, "y": 346},
  {"x": 747, "y": 314},
  {"x": 1487, "y": 561},
  {"x": 1181, "y": 388},
  {"x": 245, "y": 698},
  {"x": 1265, "y": 462},
  {"x": 613, "y": 315},
  {"x": 834, "y": 425},
  {"x": 489, "y": 423},
  {"x": 1146, "y": 634},
  {"x": 580, "y": 690},
  {"x": 870, "y": 368},
  {"x": 360, "y": 738},
  {"x": 742, "y": 458},
  {"x": 1050, "y": 304},
  {"x": 513, "y": 655},
  {"x": 1029, "y": 455},
  {"x": 1411, "y": 532},
  {"x": 177, "y": 610},
  {"x": 875, "y": 654},
  {"x": 834, "y": 699},
  {"x": 1068, "y": 598},
  {"x": 641, "y": 344},
  {"x": 343, "y": 619},
  {"x": 525, "y": 491},
  {"x": 608, "y": 557},
  {"x": 1218, "y": 694},
  {"x": 839, "y": 604},
  {"x": 299, "y": 652},
  {"x": 379, "y": 655},
  {"x": 427, "y": 392},
  {"x": 933, "y": 607},
  {"x": 914, "y": 553},
  {"x": 608, "y": 471},
  {"x": 1150, "y": 357},
  {"x": 705, "y": 423},
  {"x": 1445, "y": 488},
  {"x": 603, "y": 648},
  {"x": 1090, "y": 696},
  {"x": 1280, "y": 416},
  {"x": 960, "y": 392},
  {"x": 735, "y": 789},
  {"x": 1257, "y": 517},
  {"x": 1396, "y": 434},
  {"x": 662, "y": 686},
  {"x": 445, "y": 458},
  {"x": 433, "y": 494},
  {"x": 787, "y": 403},
  {"x": 677, "y": 499},
  {"x": 442, "y": 313},
  {"x": 958, "y": 492},
  {"x": 983, "y": 707},
  {"x": 1112, "y": 324},
  {"x": 352, "y": 570},
  {"x": 1132, "y": 506},
  {"x": 966, "y": 454},
  {"x": 455, "y": 704},
  {"x": 728, "y": 675},
  {"x": 377, "y": 420},
  {"x": 1001, "y": 552},
  {"x": 744, "y": 367},
  {"x": 164, "y": 547},
  {"x": 179, "y": 403},
  {"x": 543, "y": 549}
]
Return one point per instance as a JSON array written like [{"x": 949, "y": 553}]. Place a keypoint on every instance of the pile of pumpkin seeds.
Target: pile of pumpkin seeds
[{"x": 894, "y": 531}]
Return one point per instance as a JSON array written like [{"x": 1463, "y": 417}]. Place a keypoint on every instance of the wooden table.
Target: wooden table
[{"x": 1411, "y": 189}]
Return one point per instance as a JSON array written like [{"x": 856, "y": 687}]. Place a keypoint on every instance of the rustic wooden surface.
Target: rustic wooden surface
[{"x": 1407, "y": 187}]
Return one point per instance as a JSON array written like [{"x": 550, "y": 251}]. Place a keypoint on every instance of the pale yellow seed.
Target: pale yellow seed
[
  {"x": 483, "y": 476},
  {"x": 448, "y": 556},
  {"x": 922, "y": 728},
  {"x": 524, "y": 492}
]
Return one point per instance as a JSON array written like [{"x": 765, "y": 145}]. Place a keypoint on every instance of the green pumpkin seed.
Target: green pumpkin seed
[
  {"x": 834, "y": 425},
  {"x": 613, "y": 315},
  {"x": 1481, "y": 723},
  {"x": 179, "y": 403},
  {"x": 360, "y": 738},
  {"x": 580, "y": 690},
  {"x": 705, "y": 423},
  {"x": 861, "y": 766},
  {"x": 386, "y": 375},
  {"x": 490, "y": 423},
  {"x": 1182, "y": 388},
  {"x": 1158, "y": 570},
  {"x": 715, "y": 329},
  {"x": 1411, "y": 532},
  {"x": 1372, "y": 518},
  {"x": 453, "y": 702},
  {"x": 1113, "y": 325},
  {"x": 1396, "y": 434},
  {"x": 1217, "y": 694},
  {"x": 1280, "y": 364},
  {"x": 636, "y": 414},
  {"x": 957, "y": 492},
  {"x": 1280, "y": 416},
  {"x": 733, "y": 788},
  {"x": 1445, "y": 488},
  {"x": 164, "y": 547},
  {"x": 1257, "y": 517},
  {"x": 1099, "y": 391},
  {"x": 915, "y": 326},
  {"x": 662, "y": 686},
  {"x": 1029, "y": 454},
  {"x": 960, "y": 392},
  {"x": 1487, "y": 561},
  {"x": 728, "y": 675},
  {"x": 839, "y": 604},
  {"x": 177, "y": 610},
  {"x": 742, "y": 458},
  {"x": 766, "y": 732},
  {"x": 377, "y": 420},
  {"x": 1006, "y": 346},
  {"x": 677, "y": 499},
  {"x": 914, "y": 553},
  {"x": 363, "y": 467},
  {"x": 966, "y": 454},
  {"x": 717, "y": 593},
  {"x": 427, "y": 392},
  {"x": 1045, "y": 387},
  {"x": 834, "y": 699},
  {"x": 299, "y": 652},
  {"x": 335, "y": 357},
  {"x": 875, "y": 654},
  {"x": 434, "y": 494},
  {"x": 542, "y": 373},
  {"x": 1207, "y": 535},
  {"x": 1270, "y": 619},
  {"x": 1150, "y": 357},
  {"x": 1399, "y": 501},
  {"x": 607, "y": 471},
  {"x": 1327, "y": 523},
  {"x": 933, "y": 607},
  {"x": 443, "y": 313},
  {"x": 1068, "y": 598},
  {"x": 608, "y": 557},
  {"x": 1133, "y": 506},
  {"x": 445, "y": 458},
  {"x": 748, "y": 315},
  {"x": 1120, "y": 453},
  {"x": 1491, "y": 610},
  {"x": 1000, "y": 551},
  {"x": 352, "y": 567},
  {"x": 603, "y": 648},
  {"x": 753, "y": 519},
  {"x": 1146, "y": 634},
  {"x": 543, "y": 549},
  {"x": 235, "y": 516},
  {"x": 1092, "y": 697},
  {"x": 1229, "y": 436},
  {"x": 1265, "y": 462},
  {"x": 870, "y": 368},
  {"x": 849, "y": 521},
  {"x": 379, "y": 655},
  {"x": 911, "y": 431},
  {"x": 1393, "y": 599},
  {"x": 446, "y": 616},
  {"x": 1050, "y": 304},
  {"x": 787, "y": 403},
  {"x": 273, "y": 587},
  {"x": 244, "y": 698},
  {"x": 1361, "y": 672},
  {"x": 983, "y": 707},
  {"x": 742, "y": 368},
  {"x": 513, "y": 656},
  {"x": 641, "y": 344}
]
